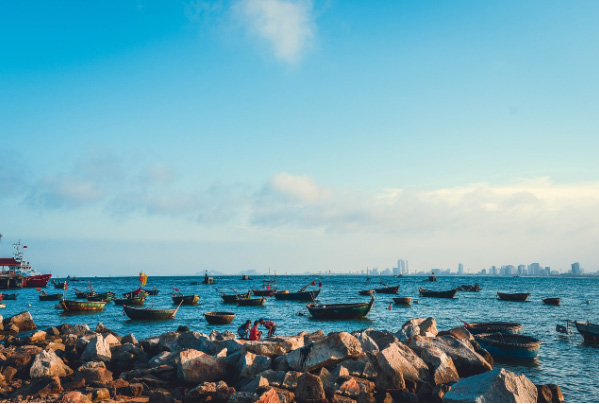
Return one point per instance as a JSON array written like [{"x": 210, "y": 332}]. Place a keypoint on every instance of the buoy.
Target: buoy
[
  {"x": 29, "y": 305},
  {"x": 389, "y": 308}
]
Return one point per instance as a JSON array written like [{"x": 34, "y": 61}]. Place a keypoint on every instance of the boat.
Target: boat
[
  {"x": 130, "y": 301},
  {"x": 187, "y": 300},
  {"x": 233, "y": 298},
  {"x": 8, "y": 296},
  {"x": 208, "y": 280},
  {"x": 301, "y": 296},
  {"x": 79, "y": 305},
  {"x": 145, "y": 313},
  {"x": 106, "y": 296},
  {"x": 58, "y": 285},
  {"x": 470, "y": 288},
  {"x": 367, "y": 292},
  {"x": 402, "y": 300},
  {"x": 589, "y": 331},
  {"x": 20, "y": 273},
  {"x": 264, "y": 292},
  {"x": 1, "y": 297},
  {"x": 340, "y": 311},
  {"x": 553, "y": 301},
  {"x": 151, "y": 292},
  {"x": 432, "y": 277},
  {"x": 219, "y": 317},
  {"x": 448, "y": 294},
  {"x": 80, "y": 294},
  {"x": 509, "y": 346},
  {"x": 514, "y": 297},
  {"x": 492, "y": 327},
  {"x": 44, "y": 297},
  {"x": 244, "y": 301},
  {"x": 387, "y": 289},
  {"x": 245, "y": 278}
]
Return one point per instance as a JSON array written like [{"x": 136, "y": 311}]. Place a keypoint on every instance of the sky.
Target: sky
[{"x": 298, "y": 136}]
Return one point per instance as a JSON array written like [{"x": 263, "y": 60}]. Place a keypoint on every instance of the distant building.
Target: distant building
[
  {"x": 460, "y": 268},
  {"x": 402, "y": 267},
  {"x": 522, "y": 270},
  {"x": 534, "y": 269},
  {"x": 576, "y": 270}
]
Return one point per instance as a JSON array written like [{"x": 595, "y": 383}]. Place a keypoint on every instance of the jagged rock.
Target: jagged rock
[
  {"x": 325, "y": 352},
  {"x": 269, "y": 396},
  {"x": 74, "y": 397},
  {"x": 37, "y": 337},
  {"x": 285, "y": 396},
  {"x": 266, "y": 348},
  {"x": 556, "y": 392},
  {"x": 40, "y": 388},
  {"x": 83, "y": 341},
  {"x": 312, "y": 337},
  {"x": 200, "y": 393},
  {"x": 22, "y": 358},
  {"x": 439, "y": 392},
  {"x": 275, "y": 377},
  {"x": 398, "y": 363},
  {"x": 360, "y": 389},
  {"x": 250, "y": 364},
  {"x": 442, "y": 367},
  {"x": 326, "y": 377},
  {"x": 198, "y": 367},
  {"x": 495, "y": 386},
  {"x": 8, "y": 373},
  {"x": 91, "y": 364},
  {"x": 1, "y": 323},
  {"x": 164, "y": 358},
  {"x": 129, "y": 339},
  {"x": 364, "y": 366},
  {"x": 367, "y": 343},
  {"x": 256, "y": 383},
  {"x": 56, "y": 346},
  {"x": 161, "y": 396},
  {"x": 309, "y": 388},
  {"x": 101, "y": 329},
  {"x": 78, "y": 329},
  {"x": 52, "y": 331},
  {"x": 425, "y": 327},
  {"x": 93, "y": 376},
  {"x": 48, "y": 364},
  {"x": 111, "y": 340},
  {"x": 544, "y": 394},
  {"x": 280, "y": 363},
  {"x": 337, "y": 398},
  {"x": 97, "y": 350},
  {"x": 381, "y": 338},
  {"x": 128, "y": 356},
  {"x": 23, "y": 321},
  {"x": 132, "y": 390},
  {"x": 98, "y": 394},
  {"x": 243, "y": 397},
  {"x": 290, "y": 380}
]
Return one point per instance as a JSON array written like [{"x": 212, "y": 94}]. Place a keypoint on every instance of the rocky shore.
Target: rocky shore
[{"x": 73, "y": 363}]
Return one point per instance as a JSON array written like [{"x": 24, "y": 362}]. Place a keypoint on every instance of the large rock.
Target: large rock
[
  {"x": 22, "y": 321},
  {"x": 78, "y": 329},
  {"x": 250, "y": 364},
  {"x": 425, "y": 327},
  {"x": 465, "y": 359},
  {"x": 442, "y": 368},
  {"x": 309, "y": 388},
  {"x": 198, "y": 367},
  {"x": 128, "y": 356},
  {"x": 398, "y": 363},
  {"x": 496, "y": 386},
  {"x": 272, "y": 347},
  {"x": 97, "y": 349},
  {"x": 324, "y": 352},
  {"x": 96, "y": 376},
  {"x": 48, "y": 364},
  {"x": 39, "y": 388}
]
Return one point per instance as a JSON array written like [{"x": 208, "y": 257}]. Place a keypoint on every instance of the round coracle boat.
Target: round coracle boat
[{"x": 219, "y": 317}]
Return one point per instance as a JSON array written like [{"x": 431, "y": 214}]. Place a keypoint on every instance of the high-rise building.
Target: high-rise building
[
  {"x": 460, "y": 268},
  {"x": 576, "y": 270},
  {"x": 534, "y": 269}
]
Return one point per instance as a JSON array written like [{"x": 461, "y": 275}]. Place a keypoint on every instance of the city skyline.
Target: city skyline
[{"x": 176, "y": 137}]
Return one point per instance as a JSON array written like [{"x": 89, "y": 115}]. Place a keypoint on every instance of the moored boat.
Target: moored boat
[
  {"x": 340, "y": 311},
  {"x": 589, "y": 331},
  {"x": 45, "y": 297},
  {"x": 509, "y": 346},
  {"x": 208, "y": 280},
  {"x": 447, "y": 294},
  {"x": 187, "y": 300},
  {"x": 513, "y": 297},
  {"x": 264, "y": 292},
  {"x": 301, "y": 296},
  {"x": 492, "y": 327},
  {"x": 132, "y": 301},
  {"x": 151, "y": 292},
  {"x": 233, "y": 298},
  {"x": 251, "y": 302},
  {"x": 402, "y": 300},
  {"x": 20, "y": 273},
  {"x": 144, "y": 313},
  {"x": 219, "y": 317},
  {"x": 106, "y": 297},
  {"x": 79, "y": 305},
  {"x": 553, "y": 301},
  {"x": 8, "y": 296},
  {"x": 387, "y": 289},
  {"x": 367, "y": 292}
]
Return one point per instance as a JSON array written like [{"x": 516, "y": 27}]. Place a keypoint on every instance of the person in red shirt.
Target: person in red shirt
[
  {"x": 255, "y": 334},
  {"x": 270, "y": 325}
]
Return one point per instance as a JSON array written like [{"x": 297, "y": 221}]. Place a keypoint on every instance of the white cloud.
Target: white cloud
[
  {"x": 287, "y": 26},
  {"x": 299, "y": 188}
]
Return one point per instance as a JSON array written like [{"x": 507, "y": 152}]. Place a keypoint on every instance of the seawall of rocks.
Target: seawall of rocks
[{"x": 73, "y": 363}]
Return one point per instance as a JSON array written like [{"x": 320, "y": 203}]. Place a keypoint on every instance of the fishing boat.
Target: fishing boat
[
  {"x": 367, "y": 292},
  {"x": 267, "y": 287},
  {"x": 80, "y": 294},
  {"x": 233, "y": 298},
  {"x": 340, "y": 311},
  {"x": 509, "y": 346},
  {"x": 245, "y": 278},
  {"x": 251, "y": 302},
  {"x": 32, "y": 278},
  {"x": 447, "y": 294},
  {"x": 45, "y": 297},
  {"x": 387, "y": 289},
  {"x": 187, "y": 300},
  {"x": 130, "y": 301},
  {"x": 208, "y": 280},
  {"x": 81, "y": 306},
  {"x": 300, "y": 295},
  {"x": 145, "y": 313},
  {"x": 513, "y": 297},
  {"x": 492, "y": 327},
  {"x": 589, "y": 331},
  {"x": 151, "y": 292},
  {"x": 8, "y": 296},
  {"x": 135, "y": 293},
  {"x": 553, "y": 301},
  {"x": 402, "y": 300},
  {"x": 219, "y": 317},
  {"x": 432, "y": 277},
  {"x": 58, "y": 285},
  {"x": 106, "y": 297},
  {"x": 264, "y": 292}
]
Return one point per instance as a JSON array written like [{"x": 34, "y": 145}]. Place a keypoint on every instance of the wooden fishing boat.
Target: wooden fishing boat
[
  {"x": 432, "y": 278},
  {"x": 219, "y": 317},
  {"x": 78, "y": 305},
  {"x": 300, "y": 296},
  {"x": 133, "y": 301},
  {"x": 340, "y": 311},
  {"x": 8, "y": 296},
  {"x": 233, "y": 298},
  {"x": 388, "y": 289},
  {"x": 553, "y": 301},
  {"x": 144, "y": 313},
  {"x": 513, "y": 297},
  {"x": 509, "y": 346},
  {"x": 447, "y": 294},
  {"x": 208, "y": 280},
  {"x": 101, "y": 297},
  {"x": 589, "y": 331},
  {"x": 251, "y": 302},
  {"x": 44, "y": 297},
  {"x": 58, "y": 285},
  {"x": 187, "y": 300},
  {"x": 367, "y": 292},
  {"x": 264, "y": 292},
  {"x": 135, "y": 293},
  {"x": 402, "y": 300},
  {"x": 493, "y": 327},
  {"x": 80, "y": 294},
  {"x": 151, "y": 292}
]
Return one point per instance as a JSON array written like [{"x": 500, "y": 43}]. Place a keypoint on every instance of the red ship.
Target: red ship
[{"x": 17, "y": 267}]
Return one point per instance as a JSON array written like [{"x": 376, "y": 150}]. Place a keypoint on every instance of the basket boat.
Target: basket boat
[
  {"x": 143, "y": 313},
  {"x": 492, "y": 327},
  {"x": 509, "y": 346},
  {"x": 219, "y": 317}
]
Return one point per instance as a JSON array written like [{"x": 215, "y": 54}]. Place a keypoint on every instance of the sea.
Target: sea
[{"x": 563, "y": 359}]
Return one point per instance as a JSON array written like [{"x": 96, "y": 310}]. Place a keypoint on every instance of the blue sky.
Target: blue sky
[{"x": 174, "y": 137}]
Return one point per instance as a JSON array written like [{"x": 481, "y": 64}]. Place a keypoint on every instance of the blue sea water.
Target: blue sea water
[{"x": 563, "y": 360}]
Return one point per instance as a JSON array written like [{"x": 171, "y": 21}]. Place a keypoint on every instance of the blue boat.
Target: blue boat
[{"x": 509, "y": 346}]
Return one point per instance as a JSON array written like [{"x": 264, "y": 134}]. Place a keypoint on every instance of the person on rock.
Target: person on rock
[
  {"x": 255, "y": 334},
  {"x": 244, "y": 330},
  {"x": 270, "y": 325}
]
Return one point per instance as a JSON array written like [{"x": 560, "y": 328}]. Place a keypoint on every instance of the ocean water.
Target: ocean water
[{"x": 563, "y": 360}]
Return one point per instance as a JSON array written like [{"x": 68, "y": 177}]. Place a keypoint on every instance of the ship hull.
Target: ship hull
[{"x": 36, "y": 281}]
